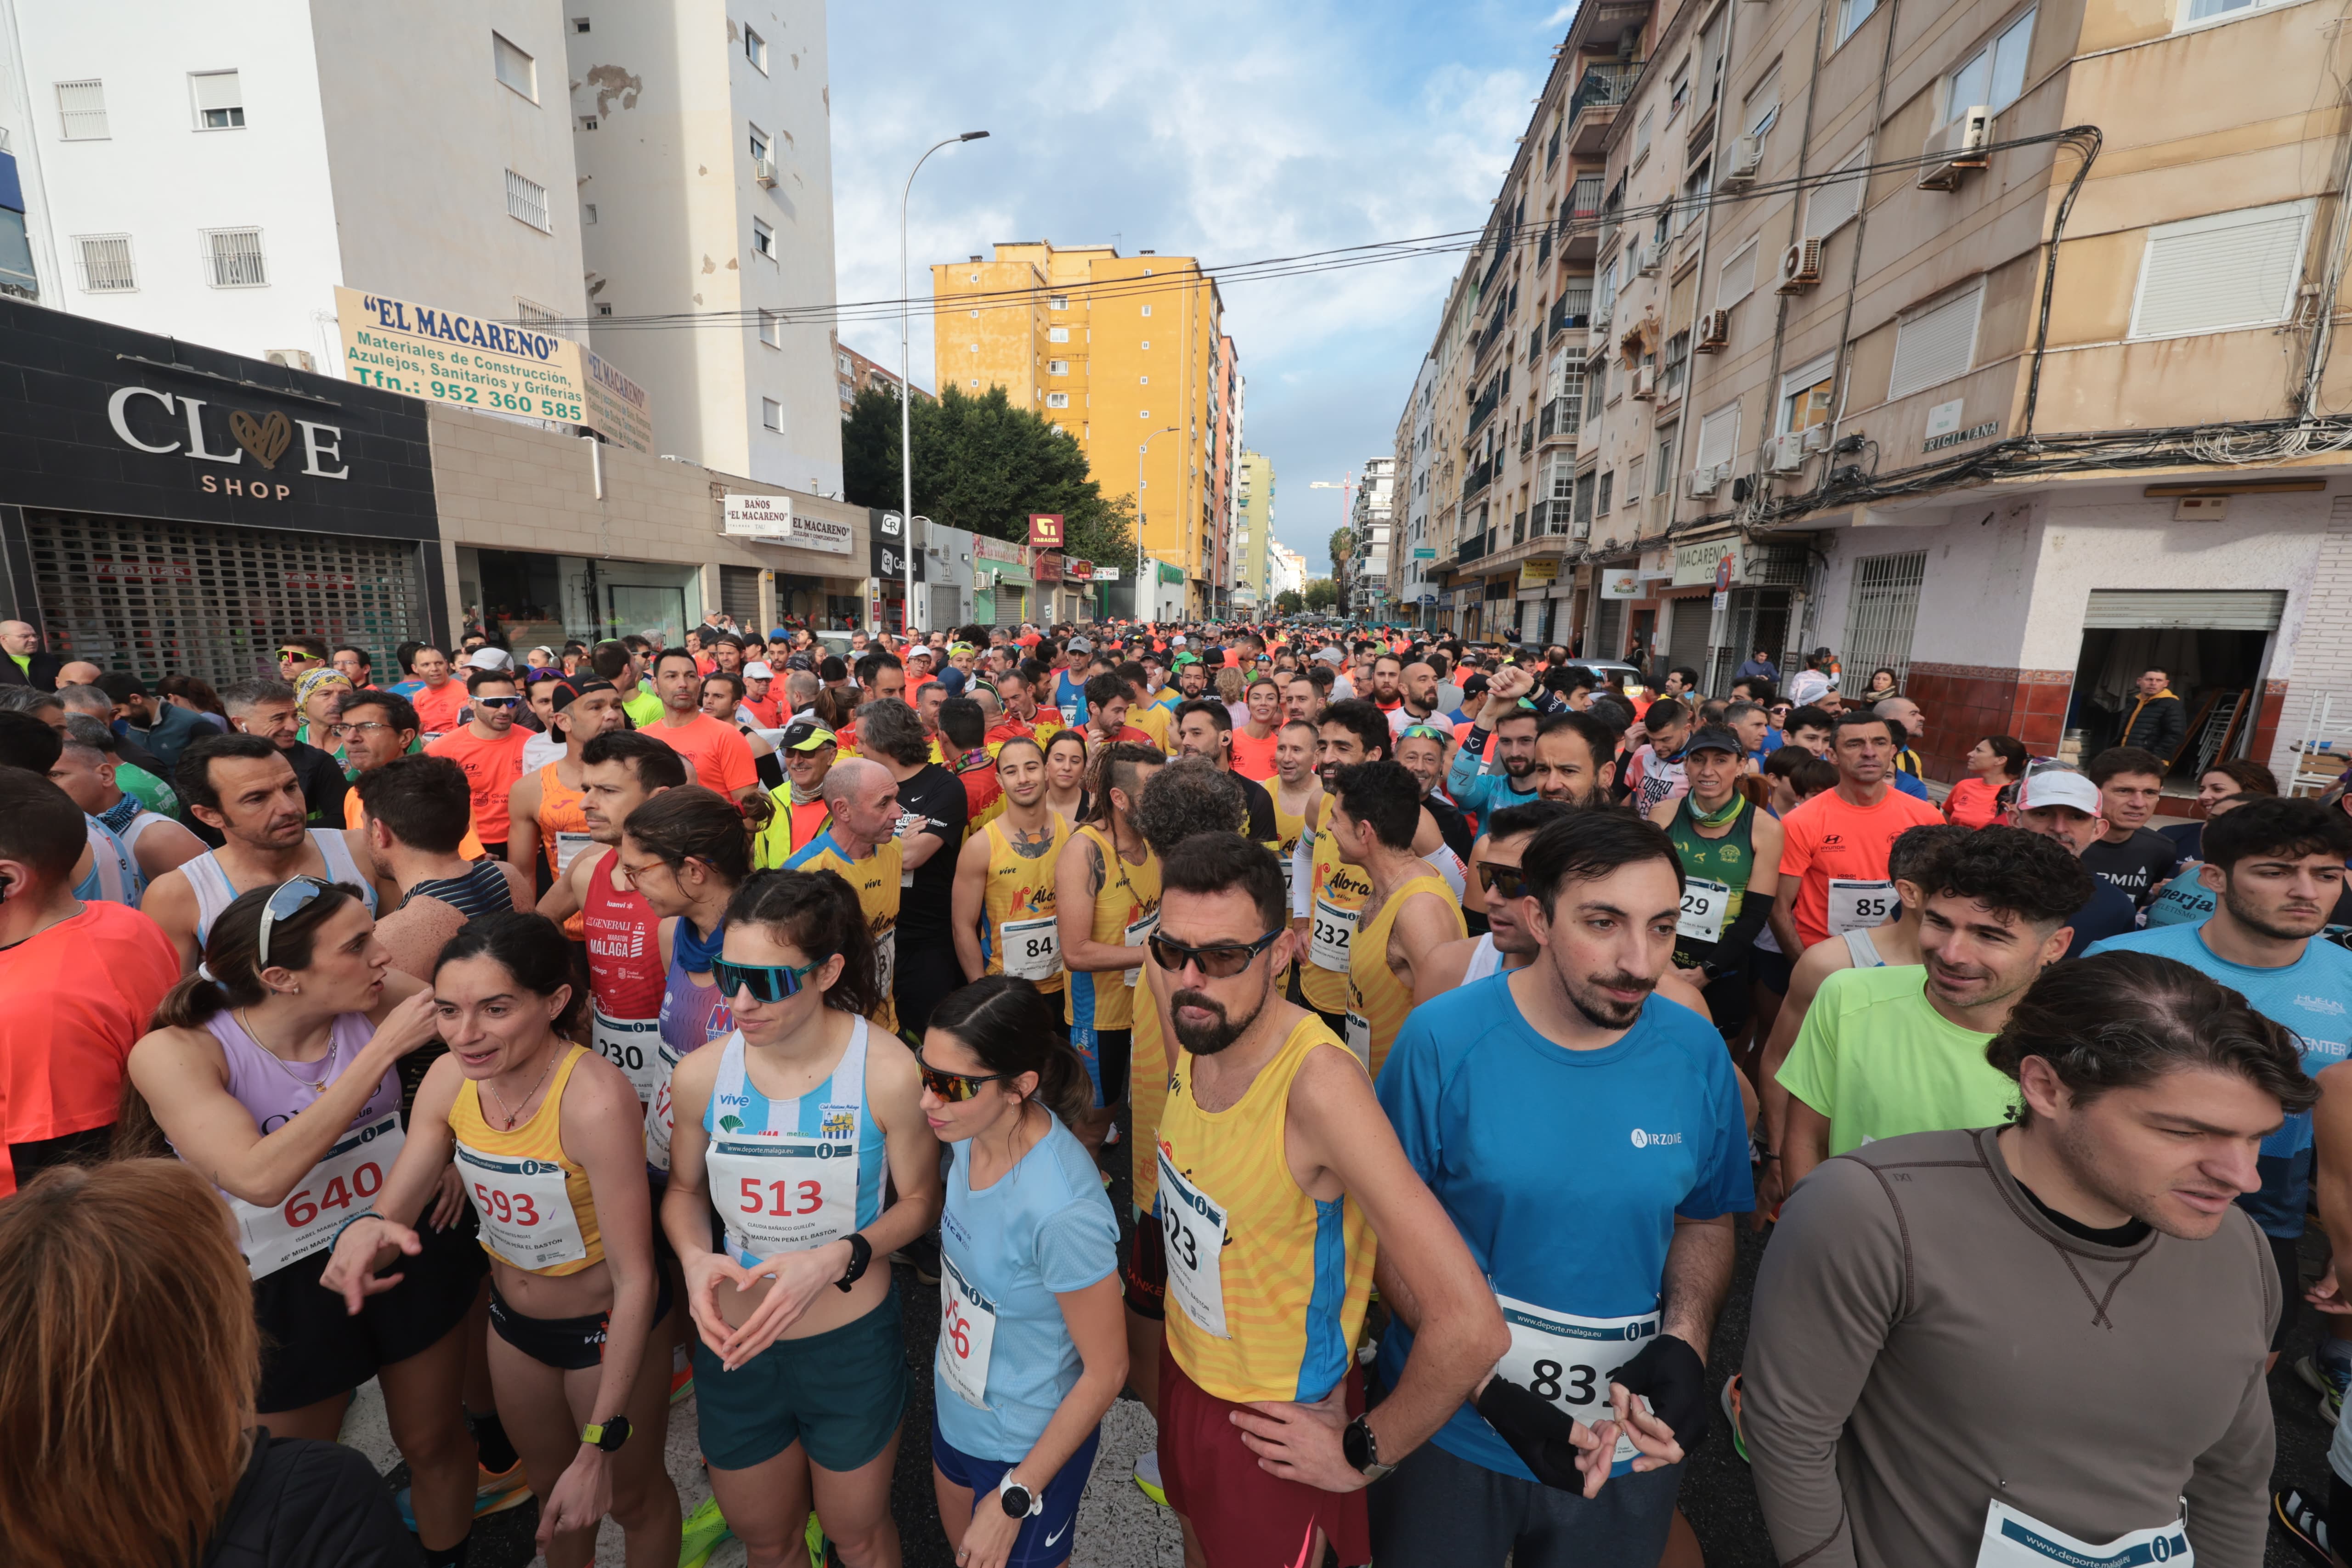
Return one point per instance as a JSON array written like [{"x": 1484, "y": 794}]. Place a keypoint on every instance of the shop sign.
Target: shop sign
[
  {"x": 1659, "y": 562},
  {"x": 1106, "y": 575},
  {"x": 987, "y": 547},
  {"x": 1620, "y": 583},
  {"x": 771, "y": 519},
  {"x": 148, "y": 420},
  {"x": 1044, "y": 532},
  {"x": 1049, "y": 566},
  {"x": 1424, "y": 552},
  {"x": 1538, "y": 574},
  {"x": 890, "y": 558},
  {"x": 1075, "y": 570},
  {"x": 1716, "y": 561}
]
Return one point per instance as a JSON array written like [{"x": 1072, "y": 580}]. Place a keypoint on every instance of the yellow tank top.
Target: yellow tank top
[
  {"x": 875, "y": 877},
  {"x": 1155, "y": 722},
  {"x": 1336, "y": 898},
  {"x": 1019, "y": 905},
  {"x": 511, "y": 1179},
  {"x": 1377, "y": 999},
  {"x": 1291, "y": 1276},
  {"x": 1102, "y": 999}
]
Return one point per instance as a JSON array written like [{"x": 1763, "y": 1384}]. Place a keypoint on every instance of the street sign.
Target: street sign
[
  {"x": 1424, "y": 552},
  {"x": 1075, "y": 570},
  {"x": 1429, "y": 598},
  {"x": 1105, "y": 574}
]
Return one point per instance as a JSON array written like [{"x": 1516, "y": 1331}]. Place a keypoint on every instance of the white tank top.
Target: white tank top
[
  {"x": 1864, "y": 950},
  {"x": 214, "y": 893},
  {"x": 1484, "y": 960}
]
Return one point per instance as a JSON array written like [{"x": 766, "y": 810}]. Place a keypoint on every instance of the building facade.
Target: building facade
[
  {"x": 1368, "y": 569},
  {"x": 1254, "y": 544},
  {"x": 1286, "y": 570},
  {"x": 1410, "y": 585},
  {"x": 853, "y": 372}
]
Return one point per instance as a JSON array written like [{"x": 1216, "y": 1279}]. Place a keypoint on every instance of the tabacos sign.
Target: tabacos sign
[{"x": 267, "y": 448}]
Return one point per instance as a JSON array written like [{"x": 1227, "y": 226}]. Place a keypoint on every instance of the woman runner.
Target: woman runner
[{"x": 1066, "y": 775}]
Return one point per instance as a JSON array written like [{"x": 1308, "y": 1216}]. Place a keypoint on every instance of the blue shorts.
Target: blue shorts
[
  {"x": 839, "y": 1394},
  {"x": 1044, "y": 1537}
]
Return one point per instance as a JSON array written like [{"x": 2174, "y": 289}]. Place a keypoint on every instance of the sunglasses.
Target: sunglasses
[
  {"x": 287, "y": 901},
  {"x": 297, "y": 653},
  {"x": 1508, "y": 881},
  {"x": 1424, "y": 732},
  {"x": 494, "y": 701},
  {"x": 765, "y": 981},
  {"x": 955, "y": 1088},
  {"x": 1218, "y": 960}
]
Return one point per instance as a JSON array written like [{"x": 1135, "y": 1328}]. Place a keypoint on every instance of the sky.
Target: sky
[{"x": 1224, "y": 129}]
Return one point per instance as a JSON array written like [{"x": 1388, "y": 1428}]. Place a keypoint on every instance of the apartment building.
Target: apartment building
[
  {"x": 1126, "y": 354},
  {"x": 1370, "y": 517},
  {"x": 1285, "y": 572},
  {"x": 1225, "y": 454},
  {"x": 853, "y": 372},
  {"x": 1990, "y": 342},
  {"x": 1253, "y": 545},
  {"x": 1409, "y": 585},
  {"x": 703, "y": 140}
]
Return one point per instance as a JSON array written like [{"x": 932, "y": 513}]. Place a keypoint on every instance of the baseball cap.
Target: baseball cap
[
  {"x": 958, "y": 649},
  {"x": 780, "y": 634},
  {"x": 2058, "y": 786},
  {"x": 807, "y": 735},
  {"x": 758, "y": 670},
  {"x": 1185, "y": 658},
  {"x": 1080, "y": 644},
  {"x": 1716, "y": 738},
  {"x": 923, "y": 649},
  {"x": 489, "y": 658},
  {"x": 1332, "y": 656},
  {"x": 572, "y": 691}
]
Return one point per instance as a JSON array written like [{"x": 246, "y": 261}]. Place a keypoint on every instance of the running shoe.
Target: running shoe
[
  {"x": 2328, "y": 1380},
  {"x": 1731, "y": 1407},
  {"x": 821, "y": 1553},
  {"x": 704, "y": 1529},
  {"x": 1147, "y": 1476},
  {"x": 495, "y": 1491},
  {"x": 2305, "y": 1525}
]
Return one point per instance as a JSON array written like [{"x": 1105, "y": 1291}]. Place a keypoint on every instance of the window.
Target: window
[
  {"x": 1678, "y": 90},
  {"x": 534, "y": 315},
  {"x": 2199, "y": 10},
  {"x": 1143, "y": 414},
  {"x": 1805, "y": 394},
  {"x": 1057, "y": 400},
  {"x": 763, "y": 238},
  {"x": 526, "y": 200},
  {"x": 1695, "y": 194},
  {"x": 1664, "y": 465},
  {"x": 1834, "y": 204},
  {"x": 1993, "y": 75},
  {"x": 1143, "y": 381},
  {"x": 1146, "y": 345},
  {"x": 220, "y": 101},
  {"x": 1763, "y": 106},
  {"x": 1057, "y": 367},
  {"x": 82, "y": 110},
  {"x": 772, "y": 413},
  {"x": 975, "y": 315},
  {"x": 1718, "y": 437},
  {"x": 515, "y": 67},
  {"x": 106, "y": 264},
  {"x": 840, "y": 362},
  {"x": 587, "y": 122},
  {"x": 603, "y": 310},
  {"x": 1632, "y": 480},
  {"x": 1881, "y": 611},
  {"x": 759, "y": 145},
  {"x": 1601, "y": 503},
  {"x": 578, "y": 24},
  {"x": 1641, "y": 133},
  {"x": 1059, "y": 302},
  {"x": 755, "y": 49},
  {"x": 1853, "y": 14},
  {"x": 2221, "y": 271},
  {"x": 772, "y": 333},
  {"x": 1935, "y": 344},
  {"x": 1057, "y": 334},
  {"x": 588, "y": 213},
  {"x": 1737, "y": 280},
  {"x": 1670, "y": 375},
  {"x": 1147, "y": 309}
]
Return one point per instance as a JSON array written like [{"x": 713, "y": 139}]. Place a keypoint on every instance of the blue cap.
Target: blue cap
[{"x": 782, "y": 634}]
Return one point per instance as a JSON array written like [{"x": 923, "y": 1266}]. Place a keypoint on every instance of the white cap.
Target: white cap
[
  {"x": 2059, "y": 787},
  {"x": 758, "y": 670},
  {"x": 489, "y": 658},
  {"x": 1808, "y": 686}
]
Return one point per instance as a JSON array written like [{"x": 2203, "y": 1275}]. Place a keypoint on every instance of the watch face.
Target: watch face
[{"x": 1016, "y": 1501}]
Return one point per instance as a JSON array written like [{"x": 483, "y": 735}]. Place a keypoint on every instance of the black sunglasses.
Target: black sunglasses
[
  {"x": 765, "y": 981},
  {"x": 1218, "y": 960},
  {"x": 1508, "y": 881},
  {"x": 955, "y": 1088}
]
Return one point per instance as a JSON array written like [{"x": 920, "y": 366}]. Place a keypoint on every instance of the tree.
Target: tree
[
  {"x": 1343, "y": 557},
  {"x": 1289, "y": 603},
  {"x": 983, "y": 465},
  {"x": 1321, "y": 594}
]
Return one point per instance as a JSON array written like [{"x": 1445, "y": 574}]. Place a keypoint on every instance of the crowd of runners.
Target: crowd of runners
[{"x": 1357, "y": 1047}]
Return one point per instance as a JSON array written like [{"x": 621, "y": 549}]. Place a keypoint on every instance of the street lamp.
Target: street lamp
[
  {"x": 1141, "y": 601},
  {"x": 906, "y": 395}
]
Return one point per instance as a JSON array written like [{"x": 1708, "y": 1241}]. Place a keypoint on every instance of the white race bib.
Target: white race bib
[
  {"x": 631, "y": 1044},
  {"x": 1859, "y": 906},
  {"x": 1192, "y": 1225},
  {"x": 525, "y": 1207},
  {"x": 2014, "y": 1540},
  {"x": 1329, "y": 935},
  {"x": 1033, "y": 948},
  {"x": 567, "y": 849},
  {"x": 886, "y": 961},
  {"x": 661, "y": 1117},
  {"x": 967, "y": 1336},
  {"x": 1359, "y": 1037},
  {"x": 1704, "y": 904},
  {"x": 1139, "y": 931},
  {"x": 786, "y": 1192},
  {"x": 1569, "y": 1360},
  {"x": 336, "y": 1188}
]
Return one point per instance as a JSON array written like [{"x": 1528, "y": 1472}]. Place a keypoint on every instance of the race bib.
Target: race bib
[
  {"x": 967, "y": 1336},
  {"x": 336, "y": 1188},
  {"x": 1704, "y": 904},
  {"x": 1859, "y": 906},
  {"x": 630, "y": 1043},
  {"x": 1192, "y": 1225},
  {"x": 525, "y": 1207},
  {"x": 660, "y": 1116},
  {"x": 786, "y": 1192},
  {"x": 567, "y": 849},
  {"x": 1328, "y": 934},
  {"x": 1139, "y": 931},
  {"x": 886, "y": 961},
  {"x": 1033, "y": 948},
  {"x": 1359, "y": 1037},
  {"x": 2014, "y": 1540},
  {"x": 1569, "y": 1360}
]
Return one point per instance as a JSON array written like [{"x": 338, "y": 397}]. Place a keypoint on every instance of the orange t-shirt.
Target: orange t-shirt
[
  {"x": 721, "y": 757},
  {"x": 1830, "y": 838},
  {"x": 491, "y": 767},
  {"x": 436, "y": 711},
  {"x": 80, "y": 995},
  {"x": 1254, "y": 758},
  {"x": 468, "y": 848}
]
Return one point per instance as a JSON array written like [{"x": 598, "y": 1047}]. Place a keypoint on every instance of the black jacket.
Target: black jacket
[
  {"x": 306, "y": 1504},
  {"x": 43, "y": 676},
  {"x": 2158, "y": 725}
]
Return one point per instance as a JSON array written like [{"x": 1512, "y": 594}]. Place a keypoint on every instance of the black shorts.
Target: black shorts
[
  {"x": 1769, "y": 970},
  {"x": 311, "y": 1349},
  {"x": 1143, "y": 1268},
  {"x": 567, "y": 1344}
]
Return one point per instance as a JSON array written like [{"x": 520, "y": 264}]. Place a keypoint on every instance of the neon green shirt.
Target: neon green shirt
[
  {"x": 1878, "y": 1060},
  {"x": 642, "y": 707}
]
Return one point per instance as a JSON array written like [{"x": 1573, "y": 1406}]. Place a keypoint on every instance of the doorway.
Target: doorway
[{"x": 2217, "y": 675}]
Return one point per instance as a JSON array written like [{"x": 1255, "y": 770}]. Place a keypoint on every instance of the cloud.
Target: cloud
[{"x": 1223, "y": 129}]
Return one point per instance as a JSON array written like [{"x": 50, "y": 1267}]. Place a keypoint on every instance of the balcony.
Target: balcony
[
  {"x": 1526, "y": 439},
  {"x": 1594, "y": 105},
  {"x": 1580, "y": 220},
  {"x": 1473, "y": 546},
  {"x": 1569, "y": 314},
  {"x": 1480, "y": 477},
  {"x": 1483, "y": 409},
  {"x": 1560, "y": 419}
]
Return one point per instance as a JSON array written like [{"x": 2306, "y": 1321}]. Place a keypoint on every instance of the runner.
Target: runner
[
  {"x": 800, "y": 1369},
  {"x": 1277, "y": 1174},
  {"x": 1032, "y": 1348},
  {"x": 2129, "y": 854},
  {"x": 1253, "y": 740},
  {"x": 1834, "y": 853},
  {"x": 265, "y": 708},
  {"x": 1730, "y": 857},
  {"x": 1996, "y": 763},
  {"x": 1302, "y": 700},
  {"x": 546, "y": 1143},
  {"x": 440, "y": 697},
  {"x": 964, "y": 752},
  {"x": 1067, "y": 776},
  {"x": 1655, "y": 772},
  {"x": 2225, "y": 786},
  {"x": 1574, "y": 759},
  {"x": 490, "y": 748},
  {"x": 272, "y": 1073},
  {"x": 1896, "y": 1417},
  {"x": 2061, "y": 805},
  {"x": 1107, "y": 900},
  {"x": 1479, "y": 787},
  {"x": 809, "y": 750},
  {"x": 1420, "y": 747},
  {"x": 1408, "y": 912},
  {"x": 243, "y": 787},
  {"x": 860, "y": 844},
  {"x": 87, "y": 770},
  {"x": 374, "y": 728},
  {"x": 1004, "y": 921},
  {"x": 1298, "y": 791},
  {"x": 1205, "y": 729},
  {"x": 932, "y": 819},
  {"x": 547, "y": 827}
]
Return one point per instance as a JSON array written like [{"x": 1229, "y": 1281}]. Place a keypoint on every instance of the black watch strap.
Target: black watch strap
[{"x": 861, "y": 1253}]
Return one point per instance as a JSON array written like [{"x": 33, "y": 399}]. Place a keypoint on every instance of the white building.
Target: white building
[
  {"x": 1414, "y": 551},
  {"x": 1368, "y": 576},
  {"x": 1285, "y": 572},
  {"x": 705, "y": 188},
  {"x": 212, "y": 170}
]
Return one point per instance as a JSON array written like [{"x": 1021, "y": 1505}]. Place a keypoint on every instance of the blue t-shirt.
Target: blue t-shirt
[
  {"x": 1044, "y": 1229},
  {"x": 2311, "y": 996},
  {"x": 2184, "y": 900},
  {"x": 1909, "y": 785},
  {"x": 1494, "y": 1117},
  {"x": 2109, "y": 913}
]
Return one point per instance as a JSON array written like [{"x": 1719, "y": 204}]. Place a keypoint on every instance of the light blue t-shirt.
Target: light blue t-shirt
[
  {"x": 1042, "y": 1229},
  {"x": 2184, "y": 900},
  {"x": 1564, "y": 1170}
]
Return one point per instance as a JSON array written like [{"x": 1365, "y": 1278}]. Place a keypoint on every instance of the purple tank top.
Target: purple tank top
[{"x": 268, "y": 1087}]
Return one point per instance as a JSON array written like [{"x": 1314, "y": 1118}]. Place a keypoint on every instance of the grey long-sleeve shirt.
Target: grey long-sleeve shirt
[{"x": 1926, "y": 1342}]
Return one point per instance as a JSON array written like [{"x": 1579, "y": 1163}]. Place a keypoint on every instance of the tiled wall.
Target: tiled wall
[{"x": 1966, "y": 702}]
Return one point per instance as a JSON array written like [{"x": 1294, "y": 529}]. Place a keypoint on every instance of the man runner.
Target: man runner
[
  {"x": 2132, "y": 856},
  {"x": 1730, "y": 856},
  {"x": 490, "y": 748},
  {"x": 861, "y": 844},
  {"x": 546, "y": 823},
  {"x": 1004, "y": 918},
  {"x": 1409, "y": 911},
  {"x": 1833, "y": 858}
]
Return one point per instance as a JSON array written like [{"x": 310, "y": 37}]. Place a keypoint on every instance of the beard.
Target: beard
[
  {"x": 1518, "y": 768},
  {"x": 2276, "y": 926},
  {"x": 1603, "y": 1011},
  {"x": 2085, "y": 1164},
  {"x": 1207, "y": 1040}
]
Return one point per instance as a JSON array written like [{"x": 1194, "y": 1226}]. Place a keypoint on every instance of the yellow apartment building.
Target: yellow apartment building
[{"x": 1113, "y": 350}]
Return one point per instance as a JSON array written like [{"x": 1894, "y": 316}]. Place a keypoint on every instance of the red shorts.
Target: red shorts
[{"x": 1244, "y": 1517}]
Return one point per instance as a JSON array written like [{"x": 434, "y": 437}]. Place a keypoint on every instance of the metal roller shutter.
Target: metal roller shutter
[
  {"x": 945, "y": 602},
  {"x": 1008, "y": 606},
  {"x": 739, "y": 596},
  {"x": 1687, "y": 634},
  {"x": 1608, "y": 638},
  {"x": 2213, "y": 610}
]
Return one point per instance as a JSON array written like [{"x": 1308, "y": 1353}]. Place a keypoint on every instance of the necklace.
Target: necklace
[
  {"x": 334, "y": 1050},
  {"x": 514, "y": 1116}
]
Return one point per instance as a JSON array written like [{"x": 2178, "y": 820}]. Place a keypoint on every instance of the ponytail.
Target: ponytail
[{"x": 1008, "y": 1024}]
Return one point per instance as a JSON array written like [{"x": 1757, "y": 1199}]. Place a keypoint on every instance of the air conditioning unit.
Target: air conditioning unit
[
  {"x": 765, "y": 171},
  {"x": 1785, "y": 454},
  {"x": 1704, "y": 481},
  {"x": 1816, "y": 436},
  {"x": 1747, "y": 157},
  {"x": 1714, "y": 332},
  {"x": 1646, "y": 259},
  {"x": 1645, "y": 383},
  {"x": 1955, "y": 148},
  {"x": 292, "y": 359},
  {"x": 1801, "y": 265}
]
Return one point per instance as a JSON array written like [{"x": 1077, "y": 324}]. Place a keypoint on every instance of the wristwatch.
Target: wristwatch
[
  {"x": 1362, "y": 1450},
  {"x": 1019, "y": 1501},
  {"x": 607, "y": 1435},
  {"x": 861, "y": 1253}
]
